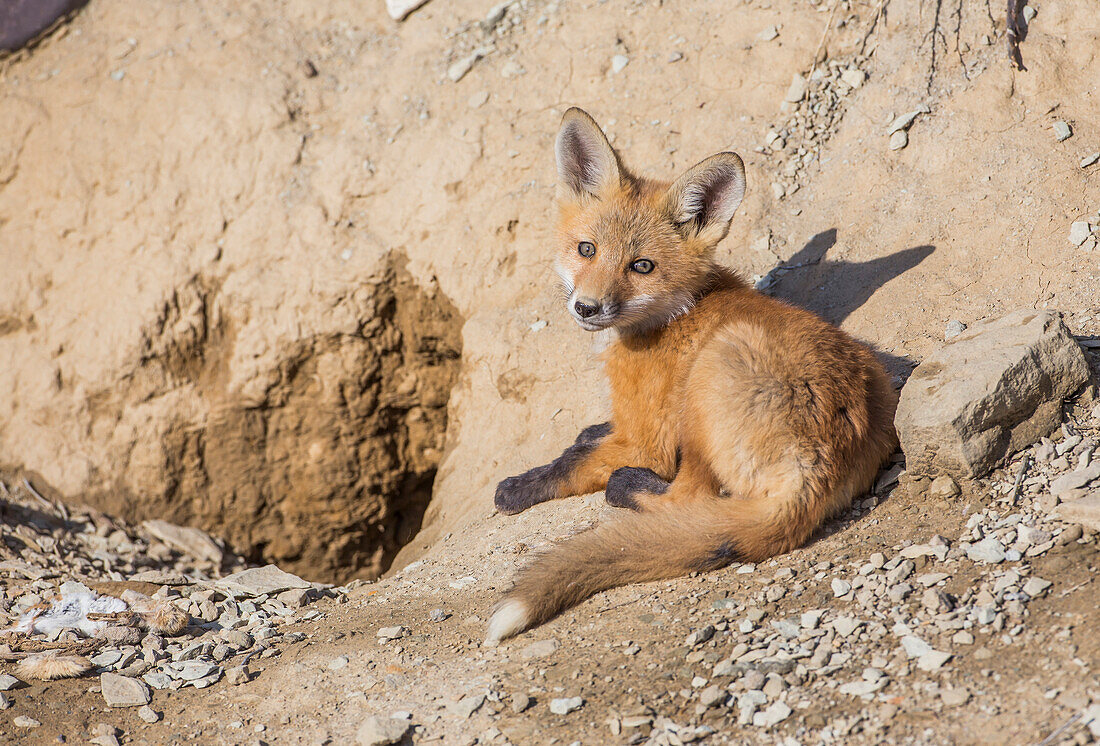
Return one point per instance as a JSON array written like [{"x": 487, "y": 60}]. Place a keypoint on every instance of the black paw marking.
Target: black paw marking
[
  {"x": 516, "y": 494},
  {"x": 593, "y": 434},
  {"x": 628, "y": 481}
]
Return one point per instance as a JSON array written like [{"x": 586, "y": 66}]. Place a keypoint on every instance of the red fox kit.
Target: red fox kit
[{"x": 739, "y": 423}]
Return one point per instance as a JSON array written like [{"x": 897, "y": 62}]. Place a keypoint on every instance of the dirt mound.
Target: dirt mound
[{"x": 331, "y": 472}]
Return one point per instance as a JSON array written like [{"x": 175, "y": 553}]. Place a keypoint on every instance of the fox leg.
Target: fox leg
[
  {"x": 516, "y": 494},
  {"x": 642, "y": 490}
]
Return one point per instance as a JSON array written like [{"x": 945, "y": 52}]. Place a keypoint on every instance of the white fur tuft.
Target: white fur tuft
[
  {"x": 52, "y": 665},
  {"x": 510, "y": 618}
]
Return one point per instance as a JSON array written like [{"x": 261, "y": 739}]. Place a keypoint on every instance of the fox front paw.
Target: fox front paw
[
  {"x": 517, "y": 494},
  {"x": 627, "y": 483}
]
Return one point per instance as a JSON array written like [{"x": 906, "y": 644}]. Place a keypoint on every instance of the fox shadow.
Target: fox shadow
[{"x": 833, "y": 289}]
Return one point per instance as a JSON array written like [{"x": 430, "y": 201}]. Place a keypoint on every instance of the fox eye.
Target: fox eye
[
  {"x": 585, "y": 248},
  {"x": 642, "y": 266}
]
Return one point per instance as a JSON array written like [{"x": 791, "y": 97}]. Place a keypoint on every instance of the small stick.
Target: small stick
[
  {"x": 1019, "y": 479},
  {"x": 824, "y": 35},
  {"x": 51, "y": 505},
  {"x": 1068, "y": 591},
  {"x": 1050, "y": 739}
]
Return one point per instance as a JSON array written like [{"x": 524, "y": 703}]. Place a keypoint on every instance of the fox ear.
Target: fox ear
[
  {"x": 586, "y": 162},
  {"x": 703, "y": 200}
]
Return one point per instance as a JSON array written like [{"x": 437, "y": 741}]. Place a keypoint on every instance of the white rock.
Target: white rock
[
  {"x": 467, "y": 706},
  {"x": 191, "y": 541},
  {"x": 619, "y": 63},
  {"x": 400, "y": 9},
  {"x": 987, "y": 550},
  {"x": 863, "y": 687},
  {"x": 122, "y": 691},
  {"x": 1075, "y": 479},
  {"x": 769, "y": 33},
  {"x": 1035, "y": 587},
  {"x": 846, "y": 625},
  {"x": 840, "y": 587},
  {"x": 1062, "y": 131},
  {"x": 1079, "y": 230},
  {"x": 712, "y": 696},
  {"x": 915, "y": 647},
  {"x": 904, "y": 121},
  {"x": 1090, "y": 717},
  {"x": 773, "y": 714},
  {"x": 566, "y": 705},
  {"x": 933, "y": 660},
  {"x": 953, "y": 329},
  {"x": 810, "y": 619},
  {"x": 376, "y": 731},
  {"x": 853, "y": 76},
  {"x": 9, "y": 682},
  {"x": 391, "y": 633},
  {"x": 797, "y": 91},
  {"x": 899, "y": 140},
  {"x": 148, "y": 714},
  {"x": 458, "y": 69},
  {"x": 259, "y": 581},
  {"x": 944, "y": 486}
]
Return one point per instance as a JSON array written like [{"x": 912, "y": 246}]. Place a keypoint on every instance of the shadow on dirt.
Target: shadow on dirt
[{"x": 834, "y": 289}]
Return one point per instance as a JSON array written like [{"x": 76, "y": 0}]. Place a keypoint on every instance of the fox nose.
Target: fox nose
[{"x": 584, "y": 310}]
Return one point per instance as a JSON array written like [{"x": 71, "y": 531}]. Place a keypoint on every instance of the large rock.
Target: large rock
[
  {"x": 123, "y": 691},
  {"x": 1084, "y": 510},
  {"x": 991, "y": 390}
]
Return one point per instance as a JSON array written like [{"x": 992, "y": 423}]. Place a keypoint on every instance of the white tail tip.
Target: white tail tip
[{"x": 510, "y": 618}]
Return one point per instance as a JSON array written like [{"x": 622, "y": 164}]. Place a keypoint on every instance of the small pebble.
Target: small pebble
[
  {"x": 1062, "y": 131},
  {"x": 899, "y": 140},
  {"x": 953, "y": 329},
  {"x": 840, "y": 587},
  {"x": 1079, "y": 230}
]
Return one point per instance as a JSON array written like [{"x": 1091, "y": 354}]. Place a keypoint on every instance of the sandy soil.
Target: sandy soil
[{"x": 256, "y": 145}]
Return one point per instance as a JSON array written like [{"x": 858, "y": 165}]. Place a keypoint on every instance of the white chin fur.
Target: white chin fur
[{"x": 510, "y": 618}]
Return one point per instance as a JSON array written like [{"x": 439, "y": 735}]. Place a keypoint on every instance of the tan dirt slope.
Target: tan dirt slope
[
  {"x": 197, "y": 203},
  {"x": 243, "y": 245}
]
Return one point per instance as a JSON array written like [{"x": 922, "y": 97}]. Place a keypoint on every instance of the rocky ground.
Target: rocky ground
[
  {"x": 931, "y": 612},
  {"x": 309, "y": 186}
]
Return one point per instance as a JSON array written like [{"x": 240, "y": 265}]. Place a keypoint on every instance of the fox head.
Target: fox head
[{"x": 634, "y": 253}]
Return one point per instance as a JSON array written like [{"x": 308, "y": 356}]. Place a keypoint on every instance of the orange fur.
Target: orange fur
[
  {"x": 765, "y": 419},
  {"x": 52, "y": 665}
]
